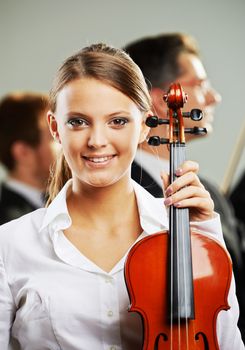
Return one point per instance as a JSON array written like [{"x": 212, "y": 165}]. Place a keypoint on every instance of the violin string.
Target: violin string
[
  {"x": 177, "y": 252},
  {"x": 171, "y": 263},
  {"x": 184, "y": 231}
]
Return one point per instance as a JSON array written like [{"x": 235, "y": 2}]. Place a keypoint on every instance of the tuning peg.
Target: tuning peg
[
  {"x": 157, "y": 141},
  {"x": 195, "y": 114},
  {"x": 153, "y": 121},
  {"x": 196, "y": 131}
]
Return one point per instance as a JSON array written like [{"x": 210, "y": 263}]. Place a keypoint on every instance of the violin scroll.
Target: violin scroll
[{"x": 175, "y": 99}]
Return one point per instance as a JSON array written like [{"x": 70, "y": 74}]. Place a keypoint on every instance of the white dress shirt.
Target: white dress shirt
[{"x": 52, "y": 297}]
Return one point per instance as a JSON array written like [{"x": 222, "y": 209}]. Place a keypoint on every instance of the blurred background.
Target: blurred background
[{"x": 36, "y": 36}]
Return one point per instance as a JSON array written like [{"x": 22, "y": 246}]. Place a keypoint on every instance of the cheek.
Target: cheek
[
  {"x": 129, "y": 140},
  {"x": 71, "y": 141},
  {"x": 71, "y": 148},
  {"x": 196, "y": 99}
]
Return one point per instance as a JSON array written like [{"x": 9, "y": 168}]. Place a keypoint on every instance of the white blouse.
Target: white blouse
[{"x": 52, "y": 297}]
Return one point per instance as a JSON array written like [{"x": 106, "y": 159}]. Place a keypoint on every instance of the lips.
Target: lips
[
  {"x": 101, "y": 159},
  {"x": 98, "y": 161}
]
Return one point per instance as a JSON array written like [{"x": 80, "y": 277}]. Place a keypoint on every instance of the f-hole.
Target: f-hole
[
  {"x": 205, "y": 340},
  {"x": 164, "y": 338}
]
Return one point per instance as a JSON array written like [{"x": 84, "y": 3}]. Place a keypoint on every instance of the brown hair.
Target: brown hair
[
  {"x": 107, "y": 64},
  {"x": 157, "y": 56},
  {"x": 19, "y": 121}
]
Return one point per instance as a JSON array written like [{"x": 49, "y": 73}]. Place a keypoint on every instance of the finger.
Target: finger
[
  {"x": 187, "y": 166},
  {"x": 187, "y": 193},
  {"x": 165, "y": 180},
  {"x": 188, "y": 179},
  {"x": 197, "y": 199},
  {"x": 200, "y": 208}
]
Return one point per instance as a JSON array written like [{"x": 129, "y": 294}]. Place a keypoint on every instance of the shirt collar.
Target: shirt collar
[
  {"x": 57, "y": 214},
  {"x": 153, "y": 216}
]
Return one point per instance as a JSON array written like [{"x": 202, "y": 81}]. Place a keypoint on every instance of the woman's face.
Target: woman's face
[{"x": 99, "y": 129}]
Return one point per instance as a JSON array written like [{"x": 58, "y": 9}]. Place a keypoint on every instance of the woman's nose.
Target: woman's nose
[{"x": 97, "y": 138}]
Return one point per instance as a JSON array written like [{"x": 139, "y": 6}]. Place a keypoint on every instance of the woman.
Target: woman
[{"x": 61, "y": 277}]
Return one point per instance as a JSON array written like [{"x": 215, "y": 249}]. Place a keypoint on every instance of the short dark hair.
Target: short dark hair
[
  {"x": 19, "y": 121},
  {"x": 157, "y": 56}
]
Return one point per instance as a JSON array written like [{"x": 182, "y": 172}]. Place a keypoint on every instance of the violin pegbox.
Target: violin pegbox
[{"x": 175, "y": 100}]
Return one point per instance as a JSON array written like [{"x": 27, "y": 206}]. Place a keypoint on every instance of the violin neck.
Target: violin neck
[{"x": 180, "y": 261}]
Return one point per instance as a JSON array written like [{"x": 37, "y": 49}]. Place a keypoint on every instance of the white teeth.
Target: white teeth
[{"x": 98, "y": 160}]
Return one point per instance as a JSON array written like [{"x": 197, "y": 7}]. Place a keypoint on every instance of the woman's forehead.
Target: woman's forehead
[{"x": 92, "y": 96}]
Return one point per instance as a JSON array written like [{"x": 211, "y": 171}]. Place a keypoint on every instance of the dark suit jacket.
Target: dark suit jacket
[
  {"x": 238, "y": 199},
  {"x": 232, "y": 230},
  {"x": 140, "y": 175},
  {"x": 12, "y": 204}
]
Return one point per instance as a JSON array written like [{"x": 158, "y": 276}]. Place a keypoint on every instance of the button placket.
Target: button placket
[
  {"x": 110, "y": 293},
  {"x": 110, "y": 313}
]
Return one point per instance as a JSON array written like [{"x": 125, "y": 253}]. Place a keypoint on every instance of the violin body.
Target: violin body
[{"x": 147, "y": 282}]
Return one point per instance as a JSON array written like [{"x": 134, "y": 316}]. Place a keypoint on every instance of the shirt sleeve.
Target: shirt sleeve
[
  {"x": 229, "y": 336},
  {"x": 7, "y": 308},
  {"x": 211, "y": 227}
]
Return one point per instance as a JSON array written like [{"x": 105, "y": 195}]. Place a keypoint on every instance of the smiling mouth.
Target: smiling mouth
[{"x": 98, "y": 160}]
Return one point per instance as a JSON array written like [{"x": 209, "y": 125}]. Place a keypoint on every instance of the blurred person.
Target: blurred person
[
  {"x": 237, "y": 198},
  {"x": 175, "y": 57},
  {"x": 25, "y": 151},
  {"x": 65, "y": 287}
]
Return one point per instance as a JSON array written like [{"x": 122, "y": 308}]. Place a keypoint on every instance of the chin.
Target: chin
[{"x": 100, "y": 183}]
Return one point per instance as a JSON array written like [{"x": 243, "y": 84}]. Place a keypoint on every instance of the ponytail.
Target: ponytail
[{"x": 59, "y": 175}]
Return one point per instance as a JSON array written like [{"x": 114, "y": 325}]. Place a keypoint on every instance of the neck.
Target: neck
[
  {"x": 26, "y": 178},
  {"x": 106, "y": 204}
]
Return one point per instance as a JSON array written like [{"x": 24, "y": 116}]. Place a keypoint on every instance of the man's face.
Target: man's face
[
  {"x": 201, "y": 95},
  {"x": 194, "y": 81}
]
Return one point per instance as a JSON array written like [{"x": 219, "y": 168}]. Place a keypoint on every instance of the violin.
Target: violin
[{"x": 178, "y": 280}]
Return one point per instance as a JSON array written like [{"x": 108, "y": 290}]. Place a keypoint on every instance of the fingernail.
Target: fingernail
[
  {"x": 168, "y": 201},
  {"x": 177, "y": 205},
  {"x": 178, "y": 171},
  {"x": 169, "y": 191}
]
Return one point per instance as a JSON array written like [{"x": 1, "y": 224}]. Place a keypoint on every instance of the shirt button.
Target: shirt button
[
  {"x": 108, "y": 280},
  {"x": 110, "y": 313}
]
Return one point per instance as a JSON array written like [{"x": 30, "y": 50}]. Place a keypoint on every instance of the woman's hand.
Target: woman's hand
[{"x": 188, "y": 192}]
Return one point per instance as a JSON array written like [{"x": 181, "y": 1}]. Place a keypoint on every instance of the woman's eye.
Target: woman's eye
[
  {"x": 77, "y": 122},
  {"x": 119, "y": 122}
]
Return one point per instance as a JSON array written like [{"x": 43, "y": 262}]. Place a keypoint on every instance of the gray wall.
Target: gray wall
[{"x": 35, "y": 36}]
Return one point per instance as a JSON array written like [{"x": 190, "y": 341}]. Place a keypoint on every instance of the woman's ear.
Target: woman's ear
[
  {"x": 53, "y": 127},
  {"x": 144, "y": 128}
]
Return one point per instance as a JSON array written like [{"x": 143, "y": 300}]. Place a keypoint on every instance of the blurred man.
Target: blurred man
[
  {"x": 165, "y": 59},
  {"x": 237, "y": 197},
  {"x": 169, "y": 58},
  {"x": 25, "y": 152}
]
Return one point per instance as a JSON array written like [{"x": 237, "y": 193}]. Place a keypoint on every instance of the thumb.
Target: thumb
[{"x": 165, "y": 180}]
